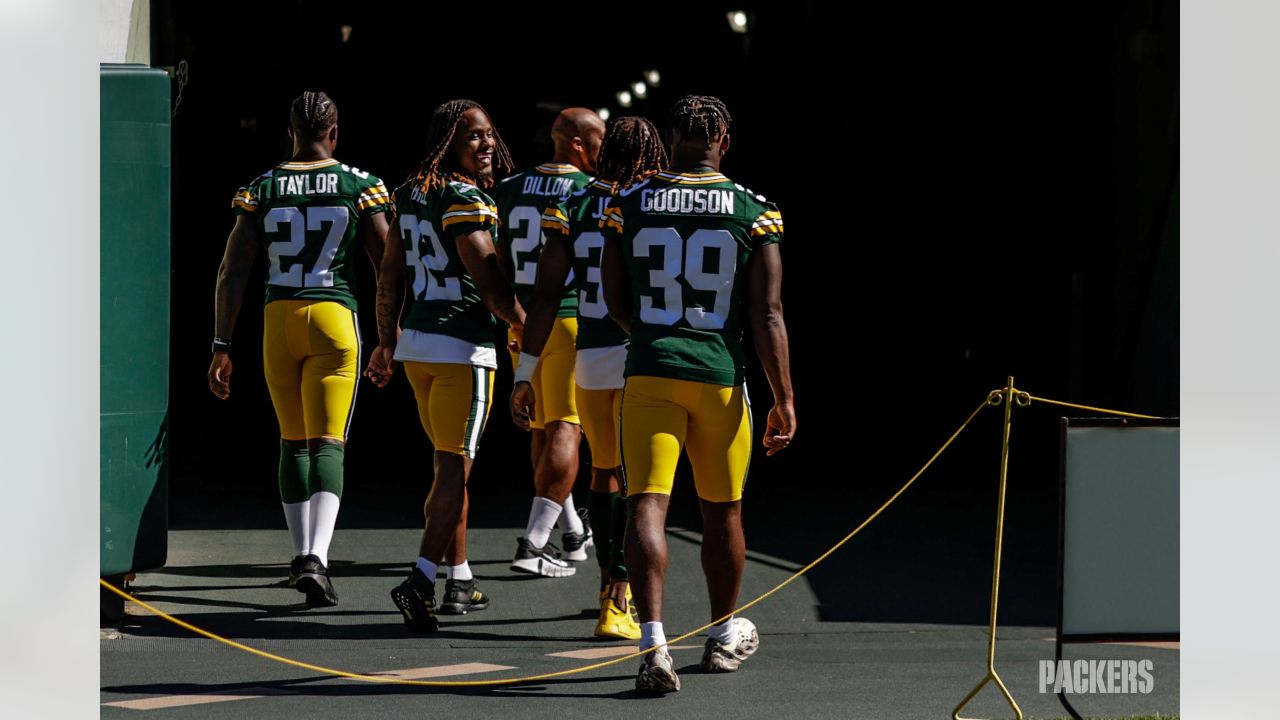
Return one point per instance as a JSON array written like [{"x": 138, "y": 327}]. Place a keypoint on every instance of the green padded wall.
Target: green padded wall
[{"x": 134, "y": 319}]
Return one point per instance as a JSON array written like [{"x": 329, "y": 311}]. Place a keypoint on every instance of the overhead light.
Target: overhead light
[
  {"x": 624, "y": 98},
  {"x": 639, "y": 89},
  {"x": 603, "y": 113},
  {"x": 653, "y": 77},
  {"x": 737, "y": 21},
  {"x": 346, "y": 33}
]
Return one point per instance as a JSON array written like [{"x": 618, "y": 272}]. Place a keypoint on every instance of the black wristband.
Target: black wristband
[{"x": 220, "y": 345}]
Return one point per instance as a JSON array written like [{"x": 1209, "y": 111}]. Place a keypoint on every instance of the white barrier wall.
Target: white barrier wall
[{"x": 124, "y": 31}]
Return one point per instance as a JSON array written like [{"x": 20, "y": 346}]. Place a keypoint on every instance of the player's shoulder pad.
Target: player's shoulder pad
[
  {"x": 751, "y": 192},
  {"x": 357, "y": 172}
]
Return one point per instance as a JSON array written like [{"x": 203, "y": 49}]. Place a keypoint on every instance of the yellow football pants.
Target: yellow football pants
[
  {"x": 453, "y": 403},
  {"x": 599, "y": 412},
  {"x": 660, "y": 416},
  {"x": 310, "y": 356},
  {"x": 553, "y": 387}
]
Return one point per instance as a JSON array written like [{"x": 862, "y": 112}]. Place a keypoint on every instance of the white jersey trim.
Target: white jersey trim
[
  {"x": 416, "y": 346},
  {"x": 600, "y": 368}
]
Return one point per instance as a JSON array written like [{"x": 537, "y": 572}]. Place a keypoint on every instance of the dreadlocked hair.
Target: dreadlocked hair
[
  {"x": 439, "y": 166},
  {"x": 703, "y": 115},
  {"x": 631, "y": 152},
  {"x": 312, "y": 113}
]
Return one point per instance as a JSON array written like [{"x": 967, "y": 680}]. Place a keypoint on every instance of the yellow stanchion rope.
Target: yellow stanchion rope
[
  {"x": 561, "y": 673},
  {"x": 1033, "y": 398}
]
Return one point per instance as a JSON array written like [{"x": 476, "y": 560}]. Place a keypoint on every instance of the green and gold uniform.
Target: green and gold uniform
[
  {"x": 307, "y": 214},
  {"x": 601, "y": 344},
  {"x": 686, "y": 239},
  {"x": 447, "y": 344},
  {"x": 521, "y": 200}
]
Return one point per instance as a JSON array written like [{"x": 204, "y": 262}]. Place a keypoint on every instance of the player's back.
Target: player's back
[
  {"x": 307, "y": 214},
  {"x": 521, "y": 200},
  {"x": 446, "y": 300},
  {"x": 687, "y": 238},
  {"x": 578, "y": 219}
]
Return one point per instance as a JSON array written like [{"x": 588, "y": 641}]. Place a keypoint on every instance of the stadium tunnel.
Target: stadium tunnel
[{"x": 970, "y": 192}]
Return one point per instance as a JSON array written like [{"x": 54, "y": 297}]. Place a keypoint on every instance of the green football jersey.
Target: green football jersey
[
  {"x": 686, "y": 239},
  {"x": 521, "y": 199},
  {"x": 576, "y": 221},
  {"x": 445, "y": 299},
  {"x": 307, "y": 214}
]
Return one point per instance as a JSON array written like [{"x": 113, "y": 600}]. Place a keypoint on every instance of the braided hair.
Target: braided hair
[
  {"x": 631, "y": 152},
  {"x": 704, "y": 115},
  {"x": 439, "y": 164},
  {"x": 312, "y": 113}
]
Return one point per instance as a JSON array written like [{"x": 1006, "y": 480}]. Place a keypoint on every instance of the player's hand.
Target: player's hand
[
  {"x": 516, "y": 344},
  {"x": 220, "y": 375},
  {"x": 522, "y": 403},
  {"x": 382, "y": 365},
  {"x": 781, "y": 427}
]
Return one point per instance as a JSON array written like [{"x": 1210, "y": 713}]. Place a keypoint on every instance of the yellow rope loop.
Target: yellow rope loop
[
  {"x": 995, "y": 398},
  {"x": 571, "y": 671},
  {"x": 1023, "y": 399}
]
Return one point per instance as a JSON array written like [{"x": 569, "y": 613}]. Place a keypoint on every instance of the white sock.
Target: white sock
[
  {"x": 542, "y": 517},
  {"x": 428, "y": 568},
  {"x": 569, "y": 520},
  {"x": 651, "y": 634},
  {"x": 298, "y": 517},
  {"x": 324, "y": 514},
  {"x": 459, "y": 572},
  {"x": 722, "y": 633}
]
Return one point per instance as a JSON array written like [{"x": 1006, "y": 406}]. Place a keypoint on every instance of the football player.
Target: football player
[
  {"x": 445, "y": 221},
  {"x": 556, "y": 434},
  {"x": 307, "y": 214},
  {"x": 632, "y": 151},
  {"x": 689, "y": 257}
]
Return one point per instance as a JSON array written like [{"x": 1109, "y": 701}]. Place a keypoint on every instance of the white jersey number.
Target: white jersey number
[
  {"x": 300, "y": 220},
  {"x": 526, "y": 243},
  {"x": 429, "y": 280},
  {"x": 666, "y": 279},
  {"x": 590, "y": 299}
]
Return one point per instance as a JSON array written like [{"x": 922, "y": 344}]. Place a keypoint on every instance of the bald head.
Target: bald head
[{"x": 576, "y": 134}]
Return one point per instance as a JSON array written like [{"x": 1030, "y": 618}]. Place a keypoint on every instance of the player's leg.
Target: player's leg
[
  {"x": 719, "y": 450},
  {"x": 556, "y": 468},
  {"x": 457, "y": 403},
  {"x": 330, "y": 381},
  {"x": 652, "y": 429},
  {"x": 558, "y": 401},
  {"x": 598, "y": 410},
  {"x": 283, "y": 371}
]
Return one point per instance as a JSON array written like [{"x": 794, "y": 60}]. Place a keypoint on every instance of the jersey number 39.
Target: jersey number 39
[{"x": 665, "y": 279}]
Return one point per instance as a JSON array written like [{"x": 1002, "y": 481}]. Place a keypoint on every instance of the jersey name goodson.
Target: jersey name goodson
[{"x": 687, "y": 201}]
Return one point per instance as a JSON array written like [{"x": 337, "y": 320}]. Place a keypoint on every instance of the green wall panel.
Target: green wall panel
[{"x": 134, "y": 319}]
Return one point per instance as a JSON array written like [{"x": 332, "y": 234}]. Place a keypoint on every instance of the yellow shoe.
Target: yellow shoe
[{"x": 615, "y": 623}]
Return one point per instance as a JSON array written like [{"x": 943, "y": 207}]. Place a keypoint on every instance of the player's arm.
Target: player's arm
[
  {"x": 770, "y": 329},
  {"x": 373, "y": 234},
  {"x": 233, "y": 277},
  {"x": 506, "y": 257},
  {"x": 390, "y": 298},
  {"x": 480, "y": 258},
  {"x": 553, "y": 269},
  {"x": 615, "y": 281}
]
